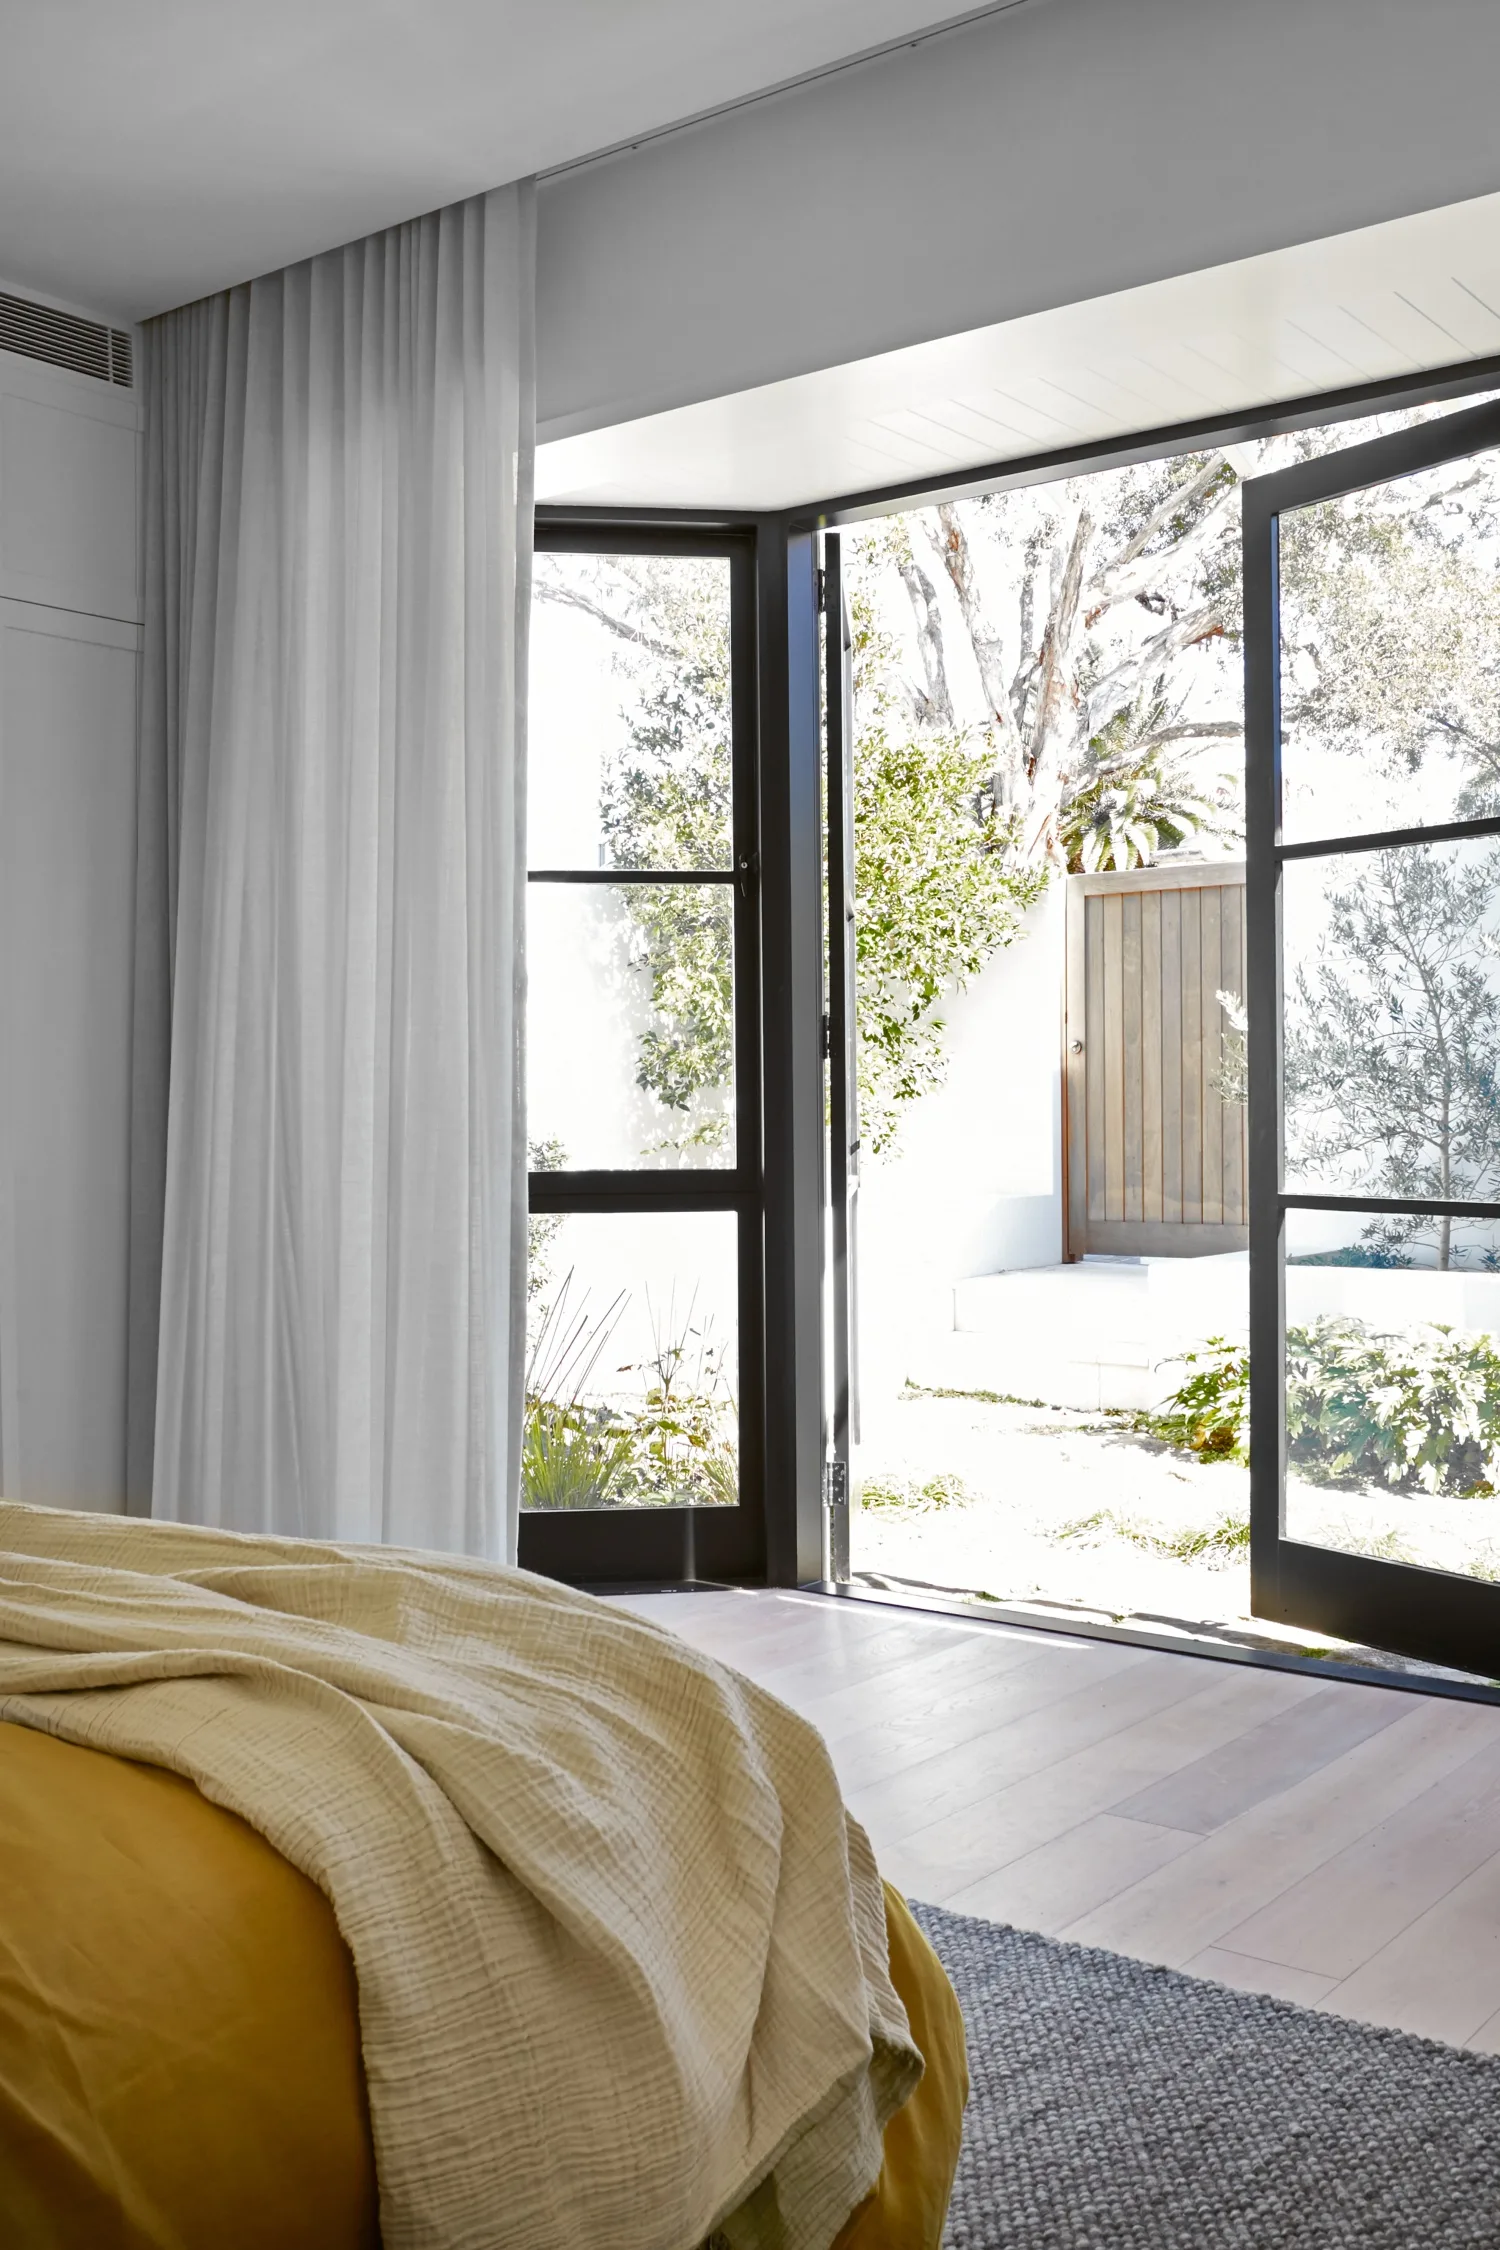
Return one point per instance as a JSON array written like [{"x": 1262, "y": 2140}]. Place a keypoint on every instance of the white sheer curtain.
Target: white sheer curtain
[{"x": 329, "y": 987}]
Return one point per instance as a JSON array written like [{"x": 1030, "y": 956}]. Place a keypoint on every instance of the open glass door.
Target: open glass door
[
  {"x": 644, "y": 1417},
  {"x": 843, "y": 1083},
  {"x": 1373, "y": 914}
]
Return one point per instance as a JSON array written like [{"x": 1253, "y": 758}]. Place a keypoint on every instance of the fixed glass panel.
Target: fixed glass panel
[
  {"x": 632, "y": 1370},
  {"x": 629, "y": 758},
  {"x": 1390, "y": 654},
  {"x": 630, "y": 1025},
  {"x": 1393, "y": 1390},
  {"x": 1392, "y": 1023}
]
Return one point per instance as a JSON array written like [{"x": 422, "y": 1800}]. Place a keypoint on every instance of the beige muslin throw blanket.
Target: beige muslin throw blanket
[{"x": 621, "y": 1954}]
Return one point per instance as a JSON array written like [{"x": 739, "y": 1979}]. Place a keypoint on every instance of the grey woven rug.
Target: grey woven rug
[{"x": 1121, "y": 2107}]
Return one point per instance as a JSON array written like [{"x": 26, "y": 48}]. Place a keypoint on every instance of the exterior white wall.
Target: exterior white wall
[
  {"x": 976, "y": 1183},
  {"x": 1039, "y": 158},
  {"x": 69, "y": 635}
]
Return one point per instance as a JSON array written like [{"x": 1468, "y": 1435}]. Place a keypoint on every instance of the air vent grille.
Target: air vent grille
[{"x": 65, "y": 339}]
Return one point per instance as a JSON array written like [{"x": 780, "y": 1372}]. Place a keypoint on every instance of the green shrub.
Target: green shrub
[
  {"x": 1209, "y": 1412},
  {"x": 674, "y": 1447},
  {"x": 571, "y": 1458},
  {"x": 1418, "y": 1411}
]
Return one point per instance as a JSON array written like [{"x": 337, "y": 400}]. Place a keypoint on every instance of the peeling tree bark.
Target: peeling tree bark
[{"x": 1042, "y": 719}]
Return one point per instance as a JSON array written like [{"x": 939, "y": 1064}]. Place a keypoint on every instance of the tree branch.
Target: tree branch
[
  {"x": 935, "y": 706},
  {"x": 1136, "y": 573},
  {"x": 567, "y": 597},
  {"x": 1201, "y": 730},
  {"x": 1118, "y": 689},
  {"x": 989, "y": 653}
]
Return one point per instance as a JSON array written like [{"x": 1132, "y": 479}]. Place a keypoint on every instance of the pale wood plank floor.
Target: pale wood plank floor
[{"x": 1328, "y": 1842}]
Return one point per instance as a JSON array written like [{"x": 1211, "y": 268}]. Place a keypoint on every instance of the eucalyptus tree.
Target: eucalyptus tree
[{"x": 1392, "y": 1053}]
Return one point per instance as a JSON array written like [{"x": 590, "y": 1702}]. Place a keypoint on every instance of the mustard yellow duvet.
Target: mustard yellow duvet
[{"x": 534, "y": 1927}]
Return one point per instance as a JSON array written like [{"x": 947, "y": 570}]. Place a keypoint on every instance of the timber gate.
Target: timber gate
[{"x": 1154, "y": 1141}]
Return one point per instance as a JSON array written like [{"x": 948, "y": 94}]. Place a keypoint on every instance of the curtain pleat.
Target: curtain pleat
[{"x": 331, "y": 894}]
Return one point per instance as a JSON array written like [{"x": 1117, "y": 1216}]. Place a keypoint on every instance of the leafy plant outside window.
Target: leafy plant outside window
[{"x": 1418, "y": 1411}]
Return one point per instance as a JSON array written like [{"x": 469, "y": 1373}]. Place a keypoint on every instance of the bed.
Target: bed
[{"x": 183, "y": 2059}]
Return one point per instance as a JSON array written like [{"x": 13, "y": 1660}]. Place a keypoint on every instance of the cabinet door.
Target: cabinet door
[
  {"x": 67, "y": 857},
  {"x": 69, "y": 450}
]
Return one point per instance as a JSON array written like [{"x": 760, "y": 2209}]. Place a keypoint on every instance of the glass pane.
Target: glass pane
[
  {"x": 1392, "y": 1023},
  {"x": 629, "y": 755},
  {"x": 1390, "y": 654},
  {"x": 630, "y": 1025},
  {"x": 1393, "y": 1390},
  {"x": 632, "y": 1370}
]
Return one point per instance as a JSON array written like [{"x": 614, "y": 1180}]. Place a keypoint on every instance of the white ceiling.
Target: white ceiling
[
  {"x": 152, "y": 150},
  {"x": 1410, "y": 294}
]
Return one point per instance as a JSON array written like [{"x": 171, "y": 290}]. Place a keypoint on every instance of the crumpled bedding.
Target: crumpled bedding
[{"x": 621, "y": 1954}]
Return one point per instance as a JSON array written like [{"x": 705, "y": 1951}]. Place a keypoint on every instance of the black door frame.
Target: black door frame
[
  {"x": 795, "y": 1180},
  {"x": 776, "y": 1534},
  {"x": 840, "y": 1045},
  {"x": 1429, "y": 1614}
]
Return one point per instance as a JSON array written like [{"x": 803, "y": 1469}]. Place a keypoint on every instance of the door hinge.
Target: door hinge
[
  {"x": 835, "y": 1484},
  {"x": 822, "y": 577},
  {"x": 825, "y": 1036}
]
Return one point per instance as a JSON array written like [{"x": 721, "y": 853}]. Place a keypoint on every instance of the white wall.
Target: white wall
[
  {"x": 1040, "y": 158},
  {"x": 69, "y": 638},
  {"x": 976, "y": 1184}
]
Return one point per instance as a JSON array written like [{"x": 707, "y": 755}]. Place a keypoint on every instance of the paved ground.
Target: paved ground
[{"x": 1042, "y": 1504}]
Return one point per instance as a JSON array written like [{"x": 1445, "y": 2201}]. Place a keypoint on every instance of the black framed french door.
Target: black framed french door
[
  {"x": 1372, "y": 678},
  {"x": 644, "y": 1436},
  {"x": 842, "y": 1343}
]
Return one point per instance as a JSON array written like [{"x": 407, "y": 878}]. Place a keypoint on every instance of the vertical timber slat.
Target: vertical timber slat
[
  {"x": 1094, "y": 1054},
  {"x": 1171, "y": 1057},
  {"x": 1192, "y": 1058},
  {"x": 1211, "y": 906},
  {"x": 1156, "y": 1158},
  {"x": 1114, "y": 1056},
  {"x": 1130, "y": 1030},
  {"x": 1151, "y": 1089}
]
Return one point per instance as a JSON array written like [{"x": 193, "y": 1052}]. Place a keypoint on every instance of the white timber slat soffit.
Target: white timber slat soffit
[
  {"x": 1380, "y": 302},
  {"x": 65, "y": 339}
]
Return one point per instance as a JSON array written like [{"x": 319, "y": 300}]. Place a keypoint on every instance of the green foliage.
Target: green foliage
[
  {"x": 912, "y": 1498},
  {"x": 681, "y": 1447},
  {"x": 668, "y": 802},
  {"x": 572, "y": 1453},
  {"x": 1390, "y": 616},
  {"x": 674, "y": 1445},
  {"x": 1209, "y": 1412},
  {"x": 1418, "y": 1411},
  {"x": 685, "y": 946},
  {"x": 571, "y": 1458},
  {"x": 940, "y": 890},
  {"x": 936, "y": 871},
  {"x": 1421, "y": 1410},
  {"x": 1131, "y": 801}
]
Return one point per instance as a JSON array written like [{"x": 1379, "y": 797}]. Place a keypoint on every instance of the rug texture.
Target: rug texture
[{"x": 1117, "y": 2106}]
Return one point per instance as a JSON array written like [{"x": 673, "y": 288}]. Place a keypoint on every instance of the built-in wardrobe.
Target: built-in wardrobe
[{"x": 69, "y": 656}]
